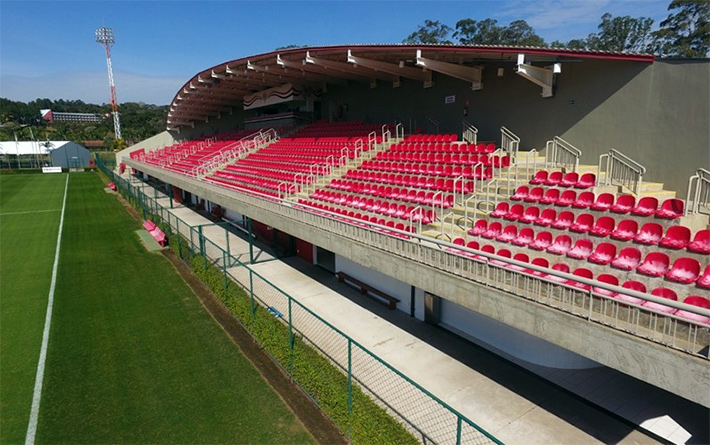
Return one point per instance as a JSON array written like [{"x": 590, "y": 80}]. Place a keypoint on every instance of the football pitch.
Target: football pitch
[{"x": 131, "y": 355}]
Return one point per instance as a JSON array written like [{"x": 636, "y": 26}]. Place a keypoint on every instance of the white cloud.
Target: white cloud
[{"x": 91, "y": 87}]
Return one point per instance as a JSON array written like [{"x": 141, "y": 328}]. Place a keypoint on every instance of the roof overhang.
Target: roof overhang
[{"x": 221, "y": 88}]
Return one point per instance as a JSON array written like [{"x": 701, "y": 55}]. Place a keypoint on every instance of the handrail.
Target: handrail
[
  {"x": 469, "y": 134},
  {"x": 510, "y": 143},
  {"x": 399, "y": 131},
  {"x": 698, "y": 193},
  {"x": 560, "y": 153},
  {"x": 619, "y": 169}
]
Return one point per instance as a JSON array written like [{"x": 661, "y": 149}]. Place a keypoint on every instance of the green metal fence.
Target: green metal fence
[{"x": 354, "y": 387}]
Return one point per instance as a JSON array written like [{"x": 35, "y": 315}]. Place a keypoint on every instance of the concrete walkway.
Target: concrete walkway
[{"x": 506, "y": 400}]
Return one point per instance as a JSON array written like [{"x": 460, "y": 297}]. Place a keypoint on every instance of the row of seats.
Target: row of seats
[
  {"x": 392, "y": 209},
  {"x": 416, "y": 148},
  {"x": 432, "y": 138},
  {"x": 662, "y": 292},
  {"x": 425, "y": 182},
  {"x": 364, "y": 217},
  {"x": 559, "y": 179},
  {"x": 452, "y": 171},
  {"x": 409, "y": 189}
]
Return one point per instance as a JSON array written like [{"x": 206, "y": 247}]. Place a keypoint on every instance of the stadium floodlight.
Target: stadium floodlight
[{"x": 104, "y": 36}]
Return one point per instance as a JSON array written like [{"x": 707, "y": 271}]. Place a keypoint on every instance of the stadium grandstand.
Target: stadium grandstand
[
  {"x": 550, "y": 205},
  {"x": 58, "y": 116}
]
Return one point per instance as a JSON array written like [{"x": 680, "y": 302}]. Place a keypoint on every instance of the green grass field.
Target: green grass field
[{"x": 132, "y": 355}]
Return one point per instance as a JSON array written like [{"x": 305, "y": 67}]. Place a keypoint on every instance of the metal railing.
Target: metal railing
[
  {"x": 469, "y": 133},
  {"x": 510, "y": 143},
  {"x": 421, "y": 413},
  {"x": 619, "y": 169},
  {"x": 698, "y": 198},
  {"x": 562, "y": 154}
]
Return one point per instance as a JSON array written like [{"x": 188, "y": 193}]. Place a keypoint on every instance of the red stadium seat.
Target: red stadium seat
[
  {"x": 479, "y": 227},
  {"x": 581, "y": 250},
  {"x": 561, "y": 245},
  {"x": 501, "y": 210},
  {"x": 530, "y": 216},
  {"x": 540, "y": 262},
  {"x": 525, "y": 237},
  {"x": 566, "y": 198},
  {"x": 535, "y": 195},
  {"x": 671, "y": 209},
  {"x": 655, "y": 264},
  {"x": 632, "y": 285},
  {"x": 569, "y": 179},
  {"x": 546, "y": 218},
  {"x": 699, "y": 301},
  {"x": 603, "y": 227},
  {"x": 626, "y": 230},
  {"x": 608, "y": 279},
  {"x": 564, "y": 220},
  {"x": 583, "y": 273},
  {"x": 603, "y": 254},
  {"x": 629, "y": 259},
  {"x": 560, "y": 267},
  {"x": 662, "y": 292},
  {"x": 704, "y": 280},
  {"x": 542, "y": 241},
  {"x": 583, "y": 224},
  {"x": 624, "y": 204},
  {"x": 494, "y": 229},
  {"x": 551, "y": 196},
  {"x": 584, "y": 200},
  {"x": 515, "y": 212},
  {"x": 650, "y": 233},
  {"x": 684, "y": 270},
  {"x": 505, "y": 253},
  {"x": 554, "y": 178},
  {"x": 701, "y": 242},
  {"x": 509, "y": 233},
  {"x": 539, "y": 178},
  {"x": 588, "y": 180},
  {"x": 646, "y": 206},
  {"x": 521, "y": 193},
  {"x": 603, "y": 202},
  {"x": 677, "y": 237},
  {"x": 523, "y": 258}
]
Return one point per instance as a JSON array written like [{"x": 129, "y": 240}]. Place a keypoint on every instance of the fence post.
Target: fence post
[
  {"x": 224, "y": 269},
  {"x": 177, "y": 229},
  {"x": 251, "y": 293},
  {"x": 251, "y": 242},
  {"x": 350, "y": 387},
  {"x": 290, "y": 336},
  {"x": 458, "y": 430},
  {"x": 226, "y": 235}
]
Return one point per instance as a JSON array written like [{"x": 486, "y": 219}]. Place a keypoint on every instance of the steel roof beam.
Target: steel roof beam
[
  {"x": 392, "y": 69},
  {"x": 469, "y": 74},
  {"x": 543, "y": 77}
]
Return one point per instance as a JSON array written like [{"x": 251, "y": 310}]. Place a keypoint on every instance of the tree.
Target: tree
[
  {"x": 488, "y": 32},
  {"x": 519, "y": 33},
  {"x": 685, "y": 33},
  {"x": 622, "y": 34},
  {"x": 432, "y": 32}
]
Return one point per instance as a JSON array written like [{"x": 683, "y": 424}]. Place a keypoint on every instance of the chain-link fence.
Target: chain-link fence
[{"x": 368, "y": 399}]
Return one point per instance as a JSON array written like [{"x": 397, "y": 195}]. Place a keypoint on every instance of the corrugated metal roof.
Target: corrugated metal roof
[{"x": 29, "y": 147}]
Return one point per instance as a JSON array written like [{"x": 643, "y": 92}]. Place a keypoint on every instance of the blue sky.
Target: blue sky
[{"x": 47, "y": 48}]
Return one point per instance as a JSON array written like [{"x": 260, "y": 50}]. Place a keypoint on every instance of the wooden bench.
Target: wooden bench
[
  {"x": 155, "y": 232},
  {"x": 366, "y": 289}
]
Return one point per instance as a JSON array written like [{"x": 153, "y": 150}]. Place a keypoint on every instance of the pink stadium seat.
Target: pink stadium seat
[
  {"x": 561, "y": 245},
  {"x": 560, "y": 267},
  {"x": 632, "y": 285},
  {"x": 501, "y": 210},
  {"x": 662, "y": 292},
  {"x": 494, "y": 229},
  {"x": 584, "y": 200},
  {"x": 629, "y": 259},
  {"x": 583, "y": 224},
  {"x": 488, "y": 248},
  {"x": 624, "y": 204},
  {"x": 540, "y": 262},
  {"x": 530, "y": 216},
  {"x": 542, "y": 241},
  {"x": 581, "y": 250},
  {"x": 569, "y": 179},
  {"x": 677, "y": 237},
  {"x": 535, "y": 195},
  {"x": 607, "y": 279},
  {"x": 473, "y": 245},
  {"x": 626, "y": 230},
  {"x": 603, "y": 202},
  {"x": 523, "y": 258},
  {"x": 684, "y": 270},
  {"x": 583, "y": 273},
  {"x": 505, "y": 253},
  {"x": 539, "y": 178},
  {"x": 646, "y": 206},
  {"x": 554, "y": 178},
  {"x": 704, "y": 280},
  {"x": 550, "y": 197},
  {"x": 546, "y": 218},
  {"x": 566, "y": 198},
  {"x": 701, "y": 242},
  {"x": 515, "y": 212},
  {"x": 564, "y": 220},
  {"x": 525, "y": 237},
  {"x": 479, "y": 227},
  {"x": 603, "y": 227},
  {"x": 655, "y": 264},
  {"x": 699, "y": 301},
  {"x": 521, "y": 193},
  {"x": 671, "y": 209},
  {"x": 588, "y": 180},
  {"x": 509, "y": 233},
  {"x": 603, "y": 254},
  {"x": 650, "y": 233}
]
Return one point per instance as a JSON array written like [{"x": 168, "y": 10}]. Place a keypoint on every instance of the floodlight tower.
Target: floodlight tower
[{"x": 104, "y": 36}]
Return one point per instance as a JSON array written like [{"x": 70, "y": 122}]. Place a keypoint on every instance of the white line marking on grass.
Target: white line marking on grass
[
  {"x": 37, "y": 396},
  {"x": 30, "y": 211}
]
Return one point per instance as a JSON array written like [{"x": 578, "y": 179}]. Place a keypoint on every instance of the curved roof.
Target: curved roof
[{"x": 220, "y": 88}]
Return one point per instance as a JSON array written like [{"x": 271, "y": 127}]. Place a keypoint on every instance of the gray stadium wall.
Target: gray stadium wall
[{"x": 70, "y": 155}]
